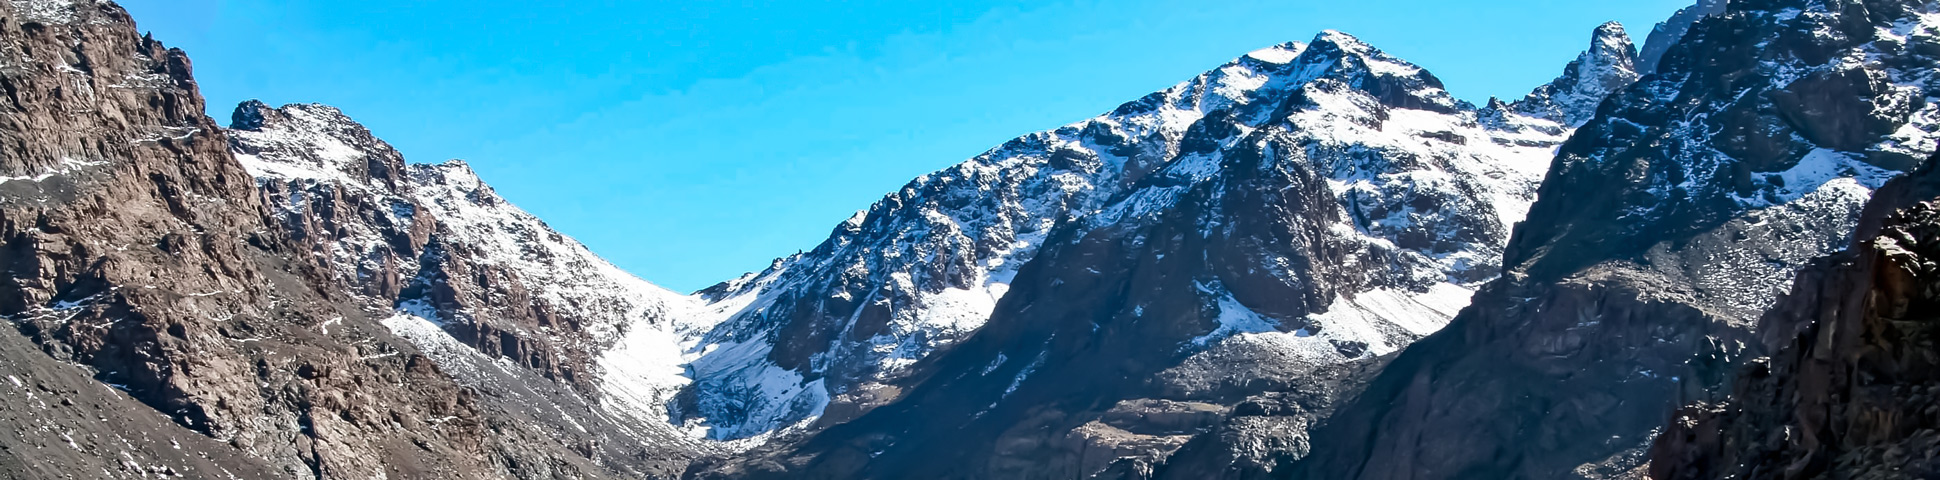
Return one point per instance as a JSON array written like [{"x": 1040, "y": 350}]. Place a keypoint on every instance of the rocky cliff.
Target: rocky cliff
[
  {"x": 147, "y": 268},
  {"x": 1661, "y": 233},
  {"x": 480, "y": 285},
  {"x": 1849, "y": 391}
]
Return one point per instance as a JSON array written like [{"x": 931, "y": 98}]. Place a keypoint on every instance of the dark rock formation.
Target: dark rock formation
[
  {"x": 1851, "y": 390},
  {"x": 1670, "y": 31}
]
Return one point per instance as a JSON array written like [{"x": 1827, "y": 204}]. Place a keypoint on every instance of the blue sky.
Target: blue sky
[{"x": 692, "y": 141}]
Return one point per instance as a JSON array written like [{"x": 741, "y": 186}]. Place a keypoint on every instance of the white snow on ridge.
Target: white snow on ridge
[
  {"x": 1819, "y": 168},
  {"x": 1277, "y": 54},
  {"x": 67, "y": 166},
  {"x": 306, "y": 150},
  {"x": 1442, "y": 156},
  {"x": 1234, "y": 318},
  {"x": 309, "y": 146},
  {"x": 1016, "y": 193},
  {"x": 940, "y": 254},
  {"x": 46, "y": 11}
]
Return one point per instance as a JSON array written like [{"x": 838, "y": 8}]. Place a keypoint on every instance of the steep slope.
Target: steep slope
[
  {"x": 925, "y": 267},
  {"x": 137, "y": 249},
  {"x": 1672, "y": 30},
  {"x": 1608, "y": 66},
  {"x": 1269, "y": 431},
  {"x": 1849, "y": 391},
  {"x": 1663, "y": 230},
  {"x": 1340, "y": 212},
  {"x": 480, "y": 286},
  {"x": 61, "y": 423}
]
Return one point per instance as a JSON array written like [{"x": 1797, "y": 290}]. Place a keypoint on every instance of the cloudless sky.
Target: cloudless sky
[{"x": 691, "y": 141}]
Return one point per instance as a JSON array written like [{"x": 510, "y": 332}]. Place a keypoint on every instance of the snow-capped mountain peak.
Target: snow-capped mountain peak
[
  {"x": 470, "y": 278},
  {"x": 1393, "y": 81},
  {"x": 1609, "y": 65},
  {"x": 314, "y": 142},
  {"x": 926, "y": 266}
]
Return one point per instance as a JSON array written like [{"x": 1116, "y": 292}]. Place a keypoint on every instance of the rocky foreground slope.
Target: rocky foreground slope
[
  {"x": 304, "y": 306},
  {"x": 140, "y": 258},
  {"x": 1850, "y": 388}
]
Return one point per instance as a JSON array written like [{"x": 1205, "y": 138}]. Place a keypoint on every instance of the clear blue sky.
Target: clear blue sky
[{"x": 691, "y": 141}]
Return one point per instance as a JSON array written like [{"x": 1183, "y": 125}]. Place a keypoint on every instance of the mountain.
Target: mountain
[
  {"x": 838, "y": 327},
  {"x": 288, "y": 298},
  {"x": 925, "y": 267},
  {"x": 145, "y": 270},
  {"x": 1608, "y": 66},
  {"x": 1333, "y": 206},
  {"x": 1663, "y": 231},
  {"x": 1309, "y": 262},
  {"x": 1848, "y": 391},
  {"x": 549, "y": 333}
]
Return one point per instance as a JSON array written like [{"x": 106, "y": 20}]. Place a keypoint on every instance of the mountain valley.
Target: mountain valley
[{"x": 1310, "y": 262}]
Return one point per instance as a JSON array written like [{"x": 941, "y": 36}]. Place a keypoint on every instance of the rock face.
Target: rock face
[
  {"x": 1671, "y": 31},
  {"x": 925, "y": 267},
  {"x": 1334, "y": 205},
  {"x": 259, "y": 324},
  {"x": 1662, "y": 232},
  {"x": 478, "y": 285},
  {"x": 136, "y": 248},
  {"x": 1608, "y": 66},
  {"x": 1849, "y": 391}
]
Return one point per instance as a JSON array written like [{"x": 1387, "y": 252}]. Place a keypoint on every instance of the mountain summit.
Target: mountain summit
[{"x": 1608, "y": 66}]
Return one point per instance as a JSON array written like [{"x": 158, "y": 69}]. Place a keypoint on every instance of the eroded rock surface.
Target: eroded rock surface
[{"x": 1850, "y": 391}]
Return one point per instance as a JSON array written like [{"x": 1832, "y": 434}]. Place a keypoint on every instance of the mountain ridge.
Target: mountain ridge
[{"x": 1234, "y": 277}]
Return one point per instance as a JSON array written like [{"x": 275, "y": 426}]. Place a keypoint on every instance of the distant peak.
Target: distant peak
[
  {"x": 1612, "y": 40},
  {"x": 456, "y": 164},
  {"x": 1608, "y": 65},
  {"x": 1336, "y": 43},
  {"x": 1671, "y": 31},
  {"x": 1393, "y": 81},
  {"x": 453, "y": 172}
]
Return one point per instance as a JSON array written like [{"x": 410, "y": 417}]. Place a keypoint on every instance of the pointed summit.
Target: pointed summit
[
  {"x": 1395, "y": 82},
  {"x": 1608, "y": 66}
]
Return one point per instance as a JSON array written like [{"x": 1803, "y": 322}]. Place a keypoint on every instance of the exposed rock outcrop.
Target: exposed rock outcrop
[
  {"x": 1672, "y": 30},
  {"x": 1851, "y": 389},
  {"x": 137, "y": 247},
  {"x": 474, "y": 282},
  {"x": 1663, "y": 230},
  {"x": 1572, "y": 99}
]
